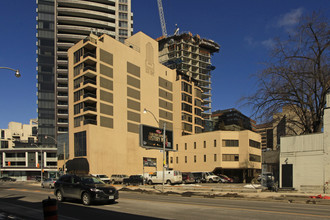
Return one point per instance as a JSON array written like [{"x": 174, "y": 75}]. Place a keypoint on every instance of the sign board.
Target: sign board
[
  {"x": 152, "y": 137},
  {"x": 149, "y": 162}
]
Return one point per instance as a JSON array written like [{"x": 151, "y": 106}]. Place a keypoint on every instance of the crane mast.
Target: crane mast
[{"x": 161, "y": 16}]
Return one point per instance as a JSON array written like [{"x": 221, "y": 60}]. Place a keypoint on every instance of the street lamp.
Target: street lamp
[
  {"x": 164, "y": 142},
  {"x": 17, "y": 74}
]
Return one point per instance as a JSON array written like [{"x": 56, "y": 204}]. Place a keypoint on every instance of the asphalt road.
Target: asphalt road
[{"x": 25, "y": 201}]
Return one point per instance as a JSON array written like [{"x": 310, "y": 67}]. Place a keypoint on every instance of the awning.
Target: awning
[{"x": 77, "y": 165}]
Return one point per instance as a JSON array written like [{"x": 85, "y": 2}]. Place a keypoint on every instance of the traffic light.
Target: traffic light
[
  {"x": 9, "y": 163},
  {"x": 38, "y": 165}
]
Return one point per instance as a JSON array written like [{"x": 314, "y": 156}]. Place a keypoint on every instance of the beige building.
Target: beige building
[
  {"x": 235, "y": 153},
  {"x": 20, "y": 155},
  {"x": 110, "y": 85}
]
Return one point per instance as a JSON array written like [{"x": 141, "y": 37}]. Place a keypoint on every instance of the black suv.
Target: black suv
[{"x": 87, "y": 188}]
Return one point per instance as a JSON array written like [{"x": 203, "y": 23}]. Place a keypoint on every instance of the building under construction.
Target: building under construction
[{"x": 192, "y": 56}]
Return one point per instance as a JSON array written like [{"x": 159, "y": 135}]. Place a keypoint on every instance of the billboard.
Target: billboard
[
  {"x": 152, "y": 137},
  {"x": 149, "y": 162}
]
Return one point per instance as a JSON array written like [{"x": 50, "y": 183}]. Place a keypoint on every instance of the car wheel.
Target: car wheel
[
  {"x": 50, "y": 186},
  {"x": 168, "y": 182},
  {"x": 149, "y": 182},
  {"x": 59, "y": 196},
  {"x": 210, "y": 180},
  {"x": 86, "y": 199}
]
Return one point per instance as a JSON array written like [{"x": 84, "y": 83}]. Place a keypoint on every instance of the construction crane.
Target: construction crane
[{"x": 161, "y": 16}]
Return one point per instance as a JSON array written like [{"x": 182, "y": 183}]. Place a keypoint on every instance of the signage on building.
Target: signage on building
[
  {"x": 152, "y": 137},
  {"x": 149, "y": 162}
]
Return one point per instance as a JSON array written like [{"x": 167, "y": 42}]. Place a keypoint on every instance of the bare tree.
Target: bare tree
[{"x": 297, "y": 76}]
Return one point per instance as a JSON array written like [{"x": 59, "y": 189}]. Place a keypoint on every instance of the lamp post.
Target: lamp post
[
  {"x": 164, "y": 142},
  {"x": 17, "y": 74},
  {"x": 46, "y": 137}
]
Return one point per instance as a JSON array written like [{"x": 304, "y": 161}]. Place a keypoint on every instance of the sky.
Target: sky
[{"x": 244, "y": 29}]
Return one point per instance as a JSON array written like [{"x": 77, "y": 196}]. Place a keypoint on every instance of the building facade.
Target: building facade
[
  {"x": 61, "y": 24},
  {"x": 192, "y": 56},
  {"x": 110, "y": 86},
  {"x": 21, "y": 156},
  {"x": 234, "y": 153},
  {"x": 304, "y": 159},
  {"x": 232, "y": 119}
]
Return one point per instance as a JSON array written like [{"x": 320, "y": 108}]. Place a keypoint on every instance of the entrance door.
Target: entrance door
[{"x": 287, "y": 180}]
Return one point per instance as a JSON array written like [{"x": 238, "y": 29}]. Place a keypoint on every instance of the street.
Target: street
[{"x": 24, "y": 201}]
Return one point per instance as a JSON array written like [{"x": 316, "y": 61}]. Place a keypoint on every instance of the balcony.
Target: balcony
[
  {"x": 89, "y": 108},
  {"x": 90, "y": 54},
  {"x": 90, "y": 95},
  {"x": 93, "y": 68},
  {"x": 90, "y": 121},
  {"x": 90, "y": 81}
]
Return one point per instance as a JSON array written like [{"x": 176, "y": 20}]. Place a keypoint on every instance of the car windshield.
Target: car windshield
[{"x": 91, "y": 180}]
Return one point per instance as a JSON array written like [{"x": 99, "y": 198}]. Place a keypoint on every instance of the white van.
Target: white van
[{"x": 171, "y": 177}]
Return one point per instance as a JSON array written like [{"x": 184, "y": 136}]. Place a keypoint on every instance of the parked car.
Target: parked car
[
  {"x": 188, "y": 177},
  {"x": 103, "y": 177},
  {"x": 206, "y": 177},
  {"x": 225, "y": 179},
  {"x": 199, "y": 177},
  {"x": 7, "y": 179},
  {"x": 49, "y": 183},
  {"x": 118, "y": 178},
  {"x": 133, "y": 180},
  {"x": 87, "y": 188}
]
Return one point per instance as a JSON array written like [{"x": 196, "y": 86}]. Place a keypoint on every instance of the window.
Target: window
[
  {"x": 185, "y": 159},
  {"x": 215, "y": 143},
  {"x": 186, "y": 87},
  {"x": 195, "y": 159},
  {"x": 186, "y": 107},
  {"x": 230, "y": 157},
  {"x": 185, "y": 146},
  {"x": 122, "y": 15},
  {"x": 171, "y": 160},
  {"x": 4, "y": 144},
  {"x": 254, "y": 144},
  {"x": 80, "y": 144},
  {"x": 186, "y": 98},
  {"x": 122, "y": 7},
  {"x": 177, "y": 147},
  {"x": 215, "y": 158},
  {"x": 194, "y": 145},
  {"x": 123, "y": 24},
  {"x": 123, "y": 32},
  {"x": 204, "y": 158},
  {"x": 254, "y": 158},
  {"x": 177, "y": 159},
  {"x": 230, "y": 143},
  {"x": 204, "y": 144}
]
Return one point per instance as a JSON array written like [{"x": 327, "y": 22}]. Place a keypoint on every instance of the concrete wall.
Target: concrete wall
[{"x": 309, "y": 156}]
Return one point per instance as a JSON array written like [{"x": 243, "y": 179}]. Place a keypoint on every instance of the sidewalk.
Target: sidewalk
[{"x": 232, "y": 191}]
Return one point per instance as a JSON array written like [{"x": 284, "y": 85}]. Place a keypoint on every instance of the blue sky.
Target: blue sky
[{"x": 243, "y": 28}]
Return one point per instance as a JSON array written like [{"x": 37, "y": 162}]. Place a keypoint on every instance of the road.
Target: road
[{"x": 25, "y": 201}]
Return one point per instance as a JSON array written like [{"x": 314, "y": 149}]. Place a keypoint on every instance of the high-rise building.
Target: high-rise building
[
  {"x": 61, "y": 24},
  {"x": 192, "y": 56}
]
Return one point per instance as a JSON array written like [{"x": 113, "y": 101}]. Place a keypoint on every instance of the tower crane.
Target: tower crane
[{"x": 161, "y": 16}]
